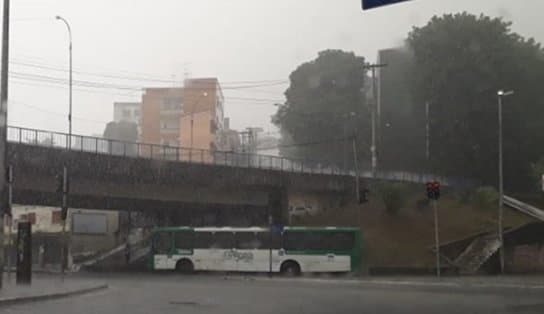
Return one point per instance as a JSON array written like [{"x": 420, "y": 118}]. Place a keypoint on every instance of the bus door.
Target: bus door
[
  {"x": 250, "y": 255},
  {"x": 222, "y": 252}
]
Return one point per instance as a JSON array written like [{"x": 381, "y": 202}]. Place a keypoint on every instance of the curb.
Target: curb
[
  {"x": 51, "y": 296},
  {"x": 414, "y": 284}
]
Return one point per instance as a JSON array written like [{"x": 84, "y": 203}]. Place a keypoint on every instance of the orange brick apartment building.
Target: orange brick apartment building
[{"x": 188, "y": 116}]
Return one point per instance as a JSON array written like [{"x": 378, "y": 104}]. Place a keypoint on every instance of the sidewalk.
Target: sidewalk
[{"x": 45, "y": 287}]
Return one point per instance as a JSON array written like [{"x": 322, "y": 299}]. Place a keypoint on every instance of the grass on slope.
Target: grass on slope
[{"x": 404, "y": 239}]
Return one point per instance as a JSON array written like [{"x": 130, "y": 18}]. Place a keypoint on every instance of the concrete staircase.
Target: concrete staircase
[
  {"x": 139, "y": 247},
  {"x": 477, "y": 253}
]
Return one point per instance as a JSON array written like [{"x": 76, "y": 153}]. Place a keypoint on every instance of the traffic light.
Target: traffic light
[
  {"x": 433, "y": 190},
  {"x": 430, "y": 194},
  {"x": 436, "y": 189}
]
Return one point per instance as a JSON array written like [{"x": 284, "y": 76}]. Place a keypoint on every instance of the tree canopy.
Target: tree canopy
[
  {"x": 325, "y": 108},
  {"x": 460, "y": 63}
]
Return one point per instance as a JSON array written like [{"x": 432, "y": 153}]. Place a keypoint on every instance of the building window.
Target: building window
[
  {"x": 56, "y": 217},
  {"x": 171, "y": 104},
  {"x": 31, "y": 218},
  {"x": 126, "y": 113},
  {"x": 136, "y": 113}
]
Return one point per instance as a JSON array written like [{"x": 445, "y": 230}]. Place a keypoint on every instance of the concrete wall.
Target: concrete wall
[
  {"x": 525, "y": 258},
  {"x": 112, "y": 182},
  {"x": 47, "y": 234}
]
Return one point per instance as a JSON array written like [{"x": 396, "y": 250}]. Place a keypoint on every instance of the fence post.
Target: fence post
[
  {"x": 124, "y": 149},
  {"x": 202, "y": 156},
  {"x": 20, "y": 135},
  {"x": 226, "y": 163},
  {"x": 164, "y": 148},
  {"x": 138, "y": 150},
  {"x": 177, "y": 153},
  {"x": 258, "y": 161},
  {"x": 81, "y": 144},
  {"x": 151, "y": 152}
]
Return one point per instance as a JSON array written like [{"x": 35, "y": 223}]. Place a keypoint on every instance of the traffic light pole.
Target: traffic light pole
[
  {"x": 436, "y": 238},
  {"x": 9, "y": 218},
  {"x": 64, "y": 213},
  {"x": 357, "y": 184}
]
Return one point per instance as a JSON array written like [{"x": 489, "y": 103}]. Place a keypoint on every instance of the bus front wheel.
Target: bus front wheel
[
  {"x": 185, "y": 266},
  {"x": 290, "y": 268}
]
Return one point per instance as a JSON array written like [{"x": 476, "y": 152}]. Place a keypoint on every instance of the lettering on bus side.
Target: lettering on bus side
[{"x": 238, "y": 256}]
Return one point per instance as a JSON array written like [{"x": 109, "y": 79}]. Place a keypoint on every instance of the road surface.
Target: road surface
[{"x": 172, "y": 293}]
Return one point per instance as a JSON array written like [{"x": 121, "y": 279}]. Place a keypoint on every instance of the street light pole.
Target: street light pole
[
  {"x": 500, "y": 95},
  {"x": 4, "y": 124},
  {"x": 373, "y": 109},
  {"x": 58, "y": 17}
]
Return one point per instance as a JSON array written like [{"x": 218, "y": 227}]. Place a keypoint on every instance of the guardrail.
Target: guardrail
[
  {"x": 524, "y": 207},
  {"x": 164, "y": 152},
  {"x": 98, "y": 145}
]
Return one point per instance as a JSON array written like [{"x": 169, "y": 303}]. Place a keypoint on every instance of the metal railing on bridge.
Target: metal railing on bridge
[{"x": 98, "y": 145}]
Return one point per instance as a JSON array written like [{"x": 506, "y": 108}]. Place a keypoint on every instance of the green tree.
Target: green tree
[
  {"x": 486, "y": 198},
  {"x": 461, "y": 61},
  {"x": 325, "y": 105},
  {"x": 394, "y": 195},
  {"x": 123, "y": 132}
]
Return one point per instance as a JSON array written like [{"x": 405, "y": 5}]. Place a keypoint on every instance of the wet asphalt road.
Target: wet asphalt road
[{"x": 172, "y": 293}]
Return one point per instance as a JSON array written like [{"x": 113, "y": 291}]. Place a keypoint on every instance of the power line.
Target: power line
[
  {"x": 54, "y": 112},
  {"x": 309, "y": 143},
  {"x": 62, "y": 86},
  {"x": 150, "y": 78},
  {"x": 91, "y": 84}
]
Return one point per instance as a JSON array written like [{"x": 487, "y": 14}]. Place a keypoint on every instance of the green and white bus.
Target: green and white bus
[{"x": 256, "y": 249}]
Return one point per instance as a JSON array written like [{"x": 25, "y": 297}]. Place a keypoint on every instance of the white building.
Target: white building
[{"x": 129, "y": 112}]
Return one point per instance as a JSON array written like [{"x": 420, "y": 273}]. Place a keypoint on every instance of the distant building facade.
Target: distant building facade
[
  {"x": 128, "y": 112},
  {"x": 188, "y": 116}
]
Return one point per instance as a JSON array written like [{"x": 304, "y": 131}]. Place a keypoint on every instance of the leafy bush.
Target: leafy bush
[
  {"x": 393, "y": 195},
  {"x": 486, "y": 198}
]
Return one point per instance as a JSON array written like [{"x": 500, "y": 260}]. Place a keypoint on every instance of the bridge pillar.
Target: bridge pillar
[{"x": 278, "y": 203}]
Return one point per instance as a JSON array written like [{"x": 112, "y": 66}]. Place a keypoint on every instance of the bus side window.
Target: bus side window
[
  {"x": 162, "y": 243},
  {"x": 223, "y": 240},
  {"x": 202, "y": 240},
  {"x": 341, "y": 241},
  {"x": 265, "y": 238},
  {"x": 247, "y": 241},
  {"x": 184, "y": 240}
]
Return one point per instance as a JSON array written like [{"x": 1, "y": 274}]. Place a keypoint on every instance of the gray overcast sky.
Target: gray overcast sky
[{"x": 234, "y": 40}]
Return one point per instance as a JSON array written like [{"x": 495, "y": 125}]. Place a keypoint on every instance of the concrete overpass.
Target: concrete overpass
[{"x": 179, "y": 182}]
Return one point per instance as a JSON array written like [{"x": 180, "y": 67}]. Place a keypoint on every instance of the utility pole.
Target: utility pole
[
  {"x": 64, "y": 216},
  {"x": 8, "y": 215},
  {"x": 500, "y": 95},
  {"x": 436, "y": 238},
  {"x": 3, "y": 126},
  {"x": 60, "y": 18},
  {"x": 427, "y": 132},
  {"x": 373, "y": 113},
  {"x": 356, "y": 167}
]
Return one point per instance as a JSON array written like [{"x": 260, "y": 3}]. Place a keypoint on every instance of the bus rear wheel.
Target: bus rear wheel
[
  {"x": 185, "y": 266},
  {"x": 290, "y": 268}
]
